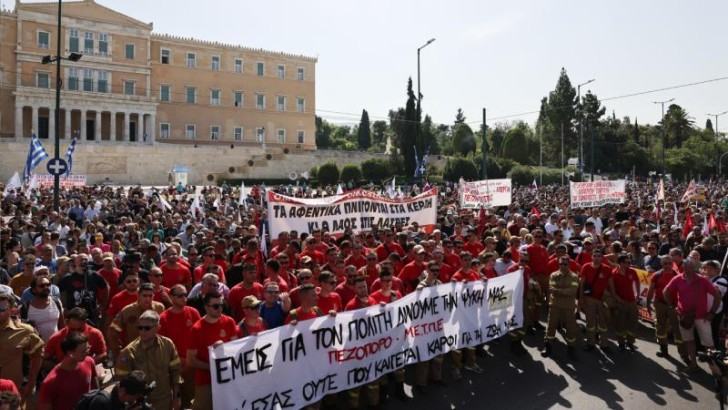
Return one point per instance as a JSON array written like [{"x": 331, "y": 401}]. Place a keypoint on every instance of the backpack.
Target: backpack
[{"x": 90, "y": 397}]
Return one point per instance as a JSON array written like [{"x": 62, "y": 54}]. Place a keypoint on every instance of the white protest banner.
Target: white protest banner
[
  {"x": 358, "y": 210},
  {"x": 293, "y": 366},
  {"x": 72, "y": 180},
  {"x": 487, "y": 193},
  {"x": 598, "y": 193}
]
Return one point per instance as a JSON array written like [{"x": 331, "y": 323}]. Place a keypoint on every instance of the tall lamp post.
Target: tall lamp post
[
  {"x": 716, "y": 133},
  {"x": 57, "y": 126},
  {"x": 419, "y": 97},
  {"x": 664, "y": 135},
  {"x": 581, "y": 128}
]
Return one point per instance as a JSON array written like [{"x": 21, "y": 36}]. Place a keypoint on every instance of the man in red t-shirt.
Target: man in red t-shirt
[
  {"x": 386, "y": 294},
  {"x": 111, "y": 274},
  {"x": 412, "y": 272},
  {"x": 174, "y": 272},
  {"x": 531, "y": 295},
  {"x": 553, "y": 264},
  {"x": 664, "y": 316},
  {"x": 310, "y": 250},
  {"x": 213, "y": 329},
  {"x": 450, "y": 256},
  {"x": 465, "y": 274},
  {"x": 75, "y": 376},
  {"x": 328, "y": 300},
  {"x": 594, "y": 279},
  {"x": 346, "y": 289},
  {"x": 388, "y": 246},
  {"x": 248, "y": 287},
  {"x": 75, "y": 323},
  {"x": 209, "y": 265},
  {"x": 473, "y": 245},
  {"x": 176, "y": 323},
  {"x": 371, "y": 269},
  {"x": 539, "y": 260},
  {"x": 308, "y": 309},
  {"x": 625, "y": 288},
  {"x": 357, "y": 257},
  {"x": 126, "y": 297}
]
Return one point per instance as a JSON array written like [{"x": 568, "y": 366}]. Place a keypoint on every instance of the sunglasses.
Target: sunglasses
[
  {"x": 215, "y": 306},
  {"x": 145, "y": 328}
]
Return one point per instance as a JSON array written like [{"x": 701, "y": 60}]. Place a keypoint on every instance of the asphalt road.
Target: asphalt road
[{"x": 626, "y": 380}]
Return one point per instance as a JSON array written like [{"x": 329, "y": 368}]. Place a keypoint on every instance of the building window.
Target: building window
[
  {"x": 299, "y": 74},
  {"x": 129, "y": 87},
  {"x": 103, "y": 80},
  {"x": 103, "y": 44},
  {"x": 43, "y": 80},
  {"x": 73, "y": 41},
  {"x": 261, "y": 69},
  {"x": 281, "y": 103},
  {"x": 301, "y": 137},
  {"x": 214, "y": 132},
  {"x": 260, "y": 134},
  {"x": 164, "y": 93},
  {"x": 238, "y": 133},
  {"x": 281, "y": 71},
  {"x": 238, "y": 98},
  {"x": 260, "y": 101},
  {"x": 164, "y": 130},
  {"x": 238, "y": 65},
  {"x": 44, "y": 39},
  {"x": 214, "y": 97},
  {"x": 215, "y": 63},
  {"x": 191, "y": 60},
  {"x": 191, "y": 95},
  {"x": 72, "y": 79},
  {"x": 88, "y": 43},
  {"x": 165, "y": 56},
  {"x": 190, "y": 131},
  {"x": 88, "y": 79},
  {"x": 281, "y": 135},
  {"x": 129, "y": 53},
  {"x": 300, "y": 104}
]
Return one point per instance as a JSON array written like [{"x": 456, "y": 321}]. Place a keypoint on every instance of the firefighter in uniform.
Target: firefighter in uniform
[
  {"x": 157, "y": 357},
  {"x": 665, "y": 318},
  {"x": 564, "y": 286},
  {"x": 125, "y": 323},
  {"x": 594, "y": 281}
]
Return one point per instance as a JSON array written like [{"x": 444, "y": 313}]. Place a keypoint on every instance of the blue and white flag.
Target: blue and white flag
[
  {"x": 36, "y": 154},
  {"x": 69, "y": 156}
]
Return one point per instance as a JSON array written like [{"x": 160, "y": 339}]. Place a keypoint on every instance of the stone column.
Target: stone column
[
  {"x": 97, "y": 125},
  {"x": 112, "y": 126},
  {"x": 18, "y": 121},
  {"x": 67, "y": 133},
  {"x": 152, "y": 128},
  {"x": 34, "y": 123},
  {"x": 83, "y": 125},
  {"x": 127, "y": 125}
]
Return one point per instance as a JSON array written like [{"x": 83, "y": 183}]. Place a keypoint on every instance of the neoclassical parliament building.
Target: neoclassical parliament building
[{"x": 132, "y": 85}]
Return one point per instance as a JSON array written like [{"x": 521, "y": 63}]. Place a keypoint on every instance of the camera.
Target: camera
[
  {"x": 143, "y": 402},
  {"x": 715, "y": 357}
]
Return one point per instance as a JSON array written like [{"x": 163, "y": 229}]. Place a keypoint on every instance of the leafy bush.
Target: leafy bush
[
  {"x": 460, "y": 167},
  {"x": 328, "y": 174},
  {"x": 313, "y": 173},
  {"x": 350, "y": 172},
  {"x": 375, "y": 170}
]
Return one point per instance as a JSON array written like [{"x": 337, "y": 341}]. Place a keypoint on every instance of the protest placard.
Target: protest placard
[
  {"x": 358, "y": 210},
  {"x": 487, "y": 193},
  {"x": 292, "y": 366},
  {"x": 66, "y": 181},
  {"x": 598, "y": 193}
]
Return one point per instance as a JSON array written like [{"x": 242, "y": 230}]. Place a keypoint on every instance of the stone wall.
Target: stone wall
[{"x": 127, "y": 163}]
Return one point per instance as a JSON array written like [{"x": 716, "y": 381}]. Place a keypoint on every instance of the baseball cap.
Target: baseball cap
[{"x": 250, "y": 301}]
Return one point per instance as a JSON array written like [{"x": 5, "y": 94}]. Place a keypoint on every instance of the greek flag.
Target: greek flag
[
  {"x": 36, "y": 154},
  {"x": 69, "y": 156}
]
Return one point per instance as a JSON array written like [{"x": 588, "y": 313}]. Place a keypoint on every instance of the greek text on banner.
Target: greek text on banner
[
  {"x": 487, "y": 193},
  {"x": 358, "y": 210},
  {"x": 292, "y": 366},
  {"x": 598, "y": 193}
]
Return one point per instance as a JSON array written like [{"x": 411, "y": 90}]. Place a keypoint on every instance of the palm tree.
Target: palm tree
[{"x": 678, "y": 123}]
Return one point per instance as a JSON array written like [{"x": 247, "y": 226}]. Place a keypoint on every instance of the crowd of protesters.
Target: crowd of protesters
[{"x": 139, "y": 282}]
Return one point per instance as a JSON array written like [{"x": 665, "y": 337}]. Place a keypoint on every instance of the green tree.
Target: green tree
[
  {"x": 496, "y": 138},
  {"x": 407, "y": 132},
  {"x": 516, "y": 144},
  {"x": 463, "y": 140},
  {"x": 328, "y": 174},
  {"x": 561, "y": 112},
  {"x": 429, "y": 136},
  {"x": 364, "y": 136},
  {"x": 459, "y": 167},
  {"x": 678, "y": 124},
  {"x": 379, "y": 130},
  {"x": 709, "y": 125},
  {"x": 323, "y": 133},
  {"x": 351, "y": 172},
  {"x": 375, "y": 170}
]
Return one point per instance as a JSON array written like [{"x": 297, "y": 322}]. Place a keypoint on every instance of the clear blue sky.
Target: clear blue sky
[{"x": 503, "y": 55}]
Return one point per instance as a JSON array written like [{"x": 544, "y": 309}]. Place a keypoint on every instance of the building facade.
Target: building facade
[{"x": 134, "y": 86}]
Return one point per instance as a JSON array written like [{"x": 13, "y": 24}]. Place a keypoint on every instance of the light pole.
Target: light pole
[
  {"x": 581, "y": 128},
  {"x": 57, "y": 126},
  {"x": 419, "y": 100},
  {"x": 716, "y": 133},
  {"x": 664, "y": 135}
]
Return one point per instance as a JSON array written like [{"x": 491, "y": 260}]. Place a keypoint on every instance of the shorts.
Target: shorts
[{"x": 704, "y": 331}]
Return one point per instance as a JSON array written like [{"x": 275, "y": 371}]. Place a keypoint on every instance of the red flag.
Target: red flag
[
  {"x": 481, "y": 222},
  {"x": 721, "y": 225},
  {"x": 534, "y": 211},
  {"x": 712, "y": 225},
  {"x": 688, "y": 223}
]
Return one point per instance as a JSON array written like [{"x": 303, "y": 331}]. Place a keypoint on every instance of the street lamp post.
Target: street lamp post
[
  {"x": 419, "y": 98},
  {"x": 664, "y": 135},
  {"x": 716, "y": 133},
  {"x": 581, "y": 128},
  {"x": 57, "y": 126}
]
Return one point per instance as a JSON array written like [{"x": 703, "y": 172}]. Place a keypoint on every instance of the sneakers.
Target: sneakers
[
  {"x": 456, "y": 375},
  {"x": 474, "y": 368}
]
